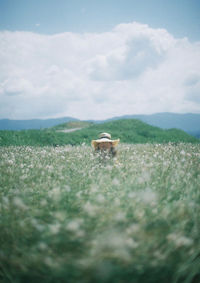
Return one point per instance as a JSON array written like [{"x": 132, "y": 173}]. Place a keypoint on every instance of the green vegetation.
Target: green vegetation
[
  {"x": 129, "y": 131},
  {"x": 67, "y": 217}
]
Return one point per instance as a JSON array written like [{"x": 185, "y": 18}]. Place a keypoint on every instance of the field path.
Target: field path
[{"x": 69, "y": 130}]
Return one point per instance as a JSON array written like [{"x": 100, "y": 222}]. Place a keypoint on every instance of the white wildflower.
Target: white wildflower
[
  {"x": 116, "y": 182},
  {"x": 54, "y": 228},
  {"x": 43, "y": 202},
  {"x": 100, "y": 198},
  {"x": 109, "y": 167},
  {"x": 148, "y": 196},
  {"x": 182, "y": 152},
  {"x": 60, "y": 215},
  {"x": 42, "y": 246},
  {"x": 67, "y": 188},
  {"x": 141, "y": 180},
  {"x": 50, "y": 168},
  {"x": 132, "y": 195},
  {"x": 133, "y": 228},
  {"x": 23, "y": 177},
  {"x": 179, "y": 240},
  {"x": 159, "y": 255},
  {"x": 18, "y": 202},
  {"x": 37, "y": 226},
  {"x": 55, "y": 193},
  {"x": 130, "y": 243},
  {"x": 120, "y": 216},
  {"x": 117, "y": 201},
  {"x": 78, "y": 194},
  {"x": 94, "y": 189},
  {"x": 5, "y": 200},
  {"x": 49, "y": 261},
  {"x": 10, "y": 162},
  {"x": 74, "y": 225},
  {"x": 90, "y": 209}
]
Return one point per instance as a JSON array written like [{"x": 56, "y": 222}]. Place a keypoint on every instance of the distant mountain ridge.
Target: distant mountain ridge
[
  {"x": 15, "y": 125},
  {"x": 190, "y": 123}
]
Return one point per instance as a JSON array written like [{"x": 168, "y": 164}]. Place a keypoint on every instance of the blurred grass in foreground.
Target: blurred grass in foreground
[{"x": 67, "y": 217}]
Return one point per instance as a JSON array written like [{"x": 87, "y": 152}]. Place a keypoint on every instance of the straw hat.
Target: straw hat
[{"x": 104, "y": 138}]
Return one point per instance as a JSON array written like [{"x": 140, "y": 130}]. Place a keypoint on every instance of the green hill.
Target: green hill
[
  {"x": 132, "y": 131},
  {"x": 128, "y": 130}
]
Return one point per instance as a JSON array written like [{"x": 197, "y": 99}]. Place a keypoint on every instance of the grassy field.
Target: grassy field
[{"x": 66, "y": 216}]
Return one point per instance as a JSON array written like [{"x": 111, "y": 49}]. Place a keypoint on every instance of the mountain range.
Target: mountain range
[
  {"x": 16, "y": 125},
  {"x": 189, "y": 122}
]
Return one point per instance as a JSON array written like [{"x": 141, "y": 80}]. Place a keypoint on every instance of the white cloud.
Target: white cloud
[{"x": 132, "y": 69}]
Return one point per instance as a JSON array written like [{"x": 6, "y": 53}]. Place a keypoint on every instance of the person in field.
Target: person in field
[{"x": 105, "y": 145}]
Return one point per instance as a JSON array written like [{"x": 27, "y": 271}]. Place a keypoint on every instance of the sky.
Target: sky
[{"x": 96, "y": 59}]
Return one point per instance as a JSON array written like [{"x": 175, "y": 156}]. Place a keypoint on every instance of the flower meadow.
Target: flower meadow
[{"x": 66, "y": 215}]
